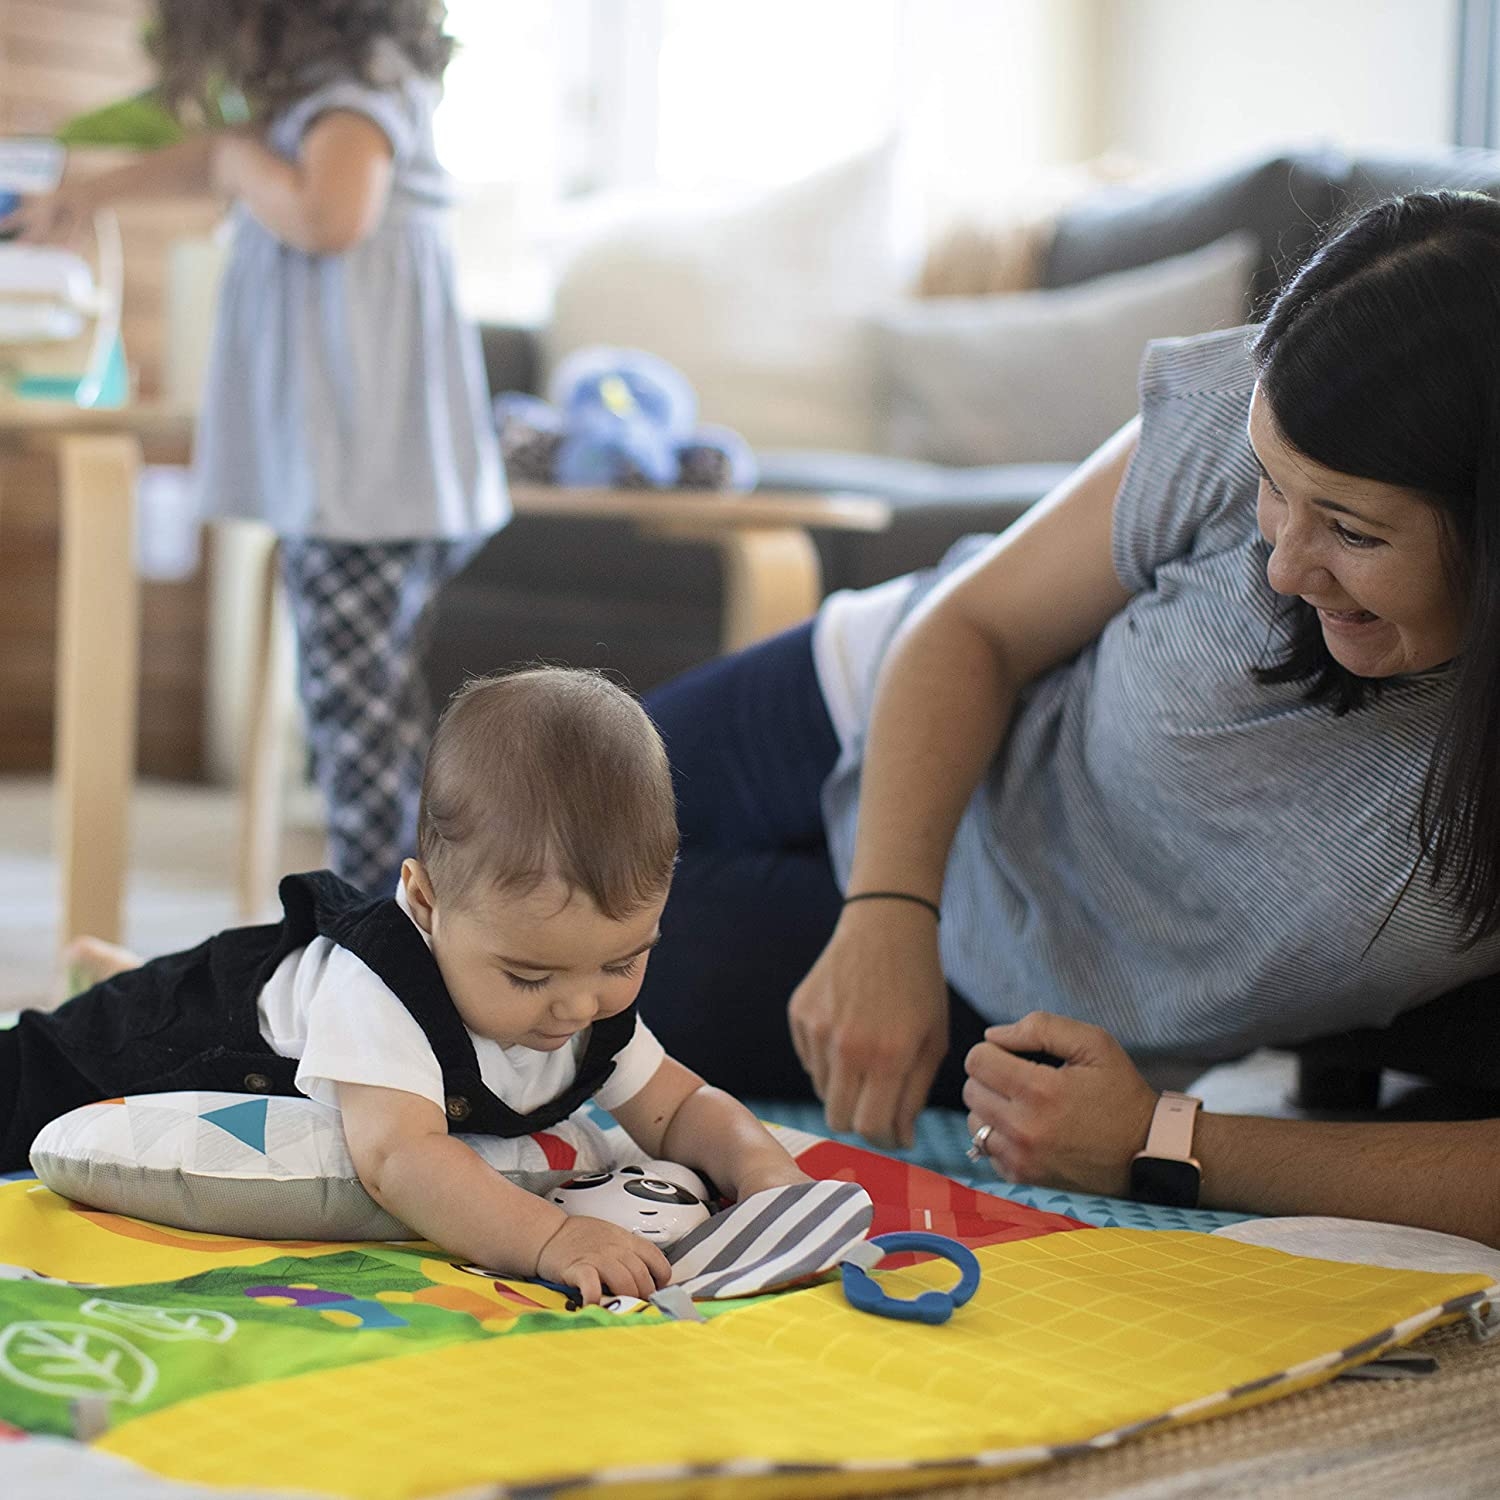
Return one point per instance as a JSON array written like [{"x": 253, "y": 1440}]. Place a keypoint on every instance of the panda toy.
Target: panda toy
[{"x": 658, "y": 1200}]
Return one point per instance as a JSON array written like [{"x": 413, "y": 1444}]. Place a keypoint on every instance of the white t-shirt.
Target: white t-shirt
[
  {"x": 327, "y": 1008},
  {"x": 850, "y": 634}
]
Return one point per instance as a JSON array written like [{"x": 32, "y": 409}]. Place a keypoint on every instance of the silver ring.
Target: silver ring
[{"x": 977, "y": 1141}]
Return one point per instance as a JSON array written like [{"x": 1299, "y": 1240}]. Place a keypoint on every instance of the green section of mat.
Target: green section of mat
[{"x": 940, "y": 1143}]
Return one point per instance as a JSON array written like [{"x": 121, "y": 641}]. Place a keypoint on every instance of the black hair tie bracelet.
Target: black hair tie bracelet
[{"x": 931, "y": 906}]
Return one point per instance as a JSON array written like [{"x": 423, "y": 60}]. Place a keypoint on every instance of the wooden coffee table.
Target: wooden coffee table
[{"x": 772, "y": 578}]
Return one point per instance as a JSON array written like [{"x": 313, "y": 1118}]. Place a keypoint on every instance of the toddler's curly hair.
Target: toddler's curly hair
[{"x": 268, "y": 49}]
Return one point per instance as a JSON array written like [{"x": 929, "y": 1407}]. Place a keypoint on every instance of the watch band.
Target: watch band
[{"x": 1172, "y": 1126}]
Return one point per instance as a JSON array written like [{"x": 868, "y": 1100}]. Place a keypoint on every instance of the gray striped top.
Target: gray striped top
[
  {"x": 345, "y": 395},
  {"x": 1163, "y": 846}
]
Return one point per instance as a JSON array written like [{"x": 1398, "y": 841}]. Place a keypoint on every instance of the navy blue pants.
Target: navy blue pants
[{"x": 755, "y": 899}]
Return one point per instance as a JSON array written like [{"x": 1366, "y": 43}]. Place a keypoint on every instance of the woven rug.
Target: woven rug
[{"x": 1436, "y": 1438}]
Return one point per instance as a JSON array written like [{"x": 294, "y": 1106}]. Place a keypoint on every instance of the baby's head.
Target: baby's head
[{"x": 546, "y": 839}]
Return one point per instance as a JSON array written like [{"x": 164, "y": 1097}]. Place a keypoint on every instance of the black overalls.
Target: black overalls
[{"x": 189, "y": 1021}]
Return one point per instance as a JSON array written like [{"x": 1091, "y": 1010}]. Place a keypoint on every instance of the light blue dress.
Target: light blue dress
[{"x": 345, "y": 396}]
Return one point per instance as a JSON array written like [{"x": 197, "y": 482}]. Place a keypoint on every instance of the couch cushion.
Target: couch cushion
[
  {"x": 1046, "y": 374},
  {"x": 1282, "y": 202},
  {"x": 760, "y": 306}
]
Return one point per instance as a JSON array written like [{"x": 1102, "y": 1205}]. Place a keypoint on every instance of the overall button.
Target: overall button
[
  {"x": 459, "y": 1108},
  {"x": 257, "y": 1083}
]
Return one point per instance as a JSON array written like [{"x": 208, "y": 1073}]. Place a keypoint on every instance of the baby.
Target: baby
[{"x": 494, "y": 993}]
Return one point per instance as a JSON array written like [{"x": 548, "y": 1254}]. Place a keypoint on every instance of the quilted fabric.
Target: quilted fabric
[
  {"x": 385, "y": 1372},
  {"x": 939, "y": 1146}
]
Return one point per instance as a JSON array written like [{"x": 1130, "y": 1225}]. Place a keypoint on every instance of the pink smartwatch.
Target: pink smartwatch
[{"x": 1165, "y": 1171}]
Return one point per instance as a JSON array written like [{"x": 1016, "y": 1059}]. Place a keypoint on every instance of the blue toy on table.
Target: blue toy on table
[{"x": 619, "y": 418}]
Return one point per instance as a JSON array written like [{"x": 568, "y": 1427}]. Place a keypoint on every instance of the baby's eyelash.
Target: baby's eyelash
[
  {"x": 525, "y": 984},
  {"x": 625, "y": 970}
]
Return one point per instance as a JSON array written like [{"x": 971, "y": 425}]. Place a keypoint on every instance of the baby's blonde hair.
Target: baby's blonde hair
[{"x": 548, "y": 772}]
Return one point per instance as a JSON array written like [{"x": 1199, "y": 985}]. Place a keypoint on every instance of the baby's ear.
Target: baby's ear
[{"x": 417, "y": 888}]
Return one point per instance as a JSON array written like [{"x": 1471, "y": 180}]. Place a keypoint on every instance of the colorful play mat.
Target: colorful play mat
[{"x": 384, "y": 1371}]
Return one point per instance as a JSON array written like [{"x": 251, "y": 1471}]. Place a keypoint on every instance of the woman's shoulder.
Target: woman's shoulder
[
  {"x": 1191, "y": 483},
  {"x": 1211, "y": 365}
]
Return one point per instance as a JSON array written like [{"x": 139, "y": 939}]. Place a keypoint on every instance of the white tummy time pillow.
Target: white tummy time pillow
[{"x": 264, "y": 1167}]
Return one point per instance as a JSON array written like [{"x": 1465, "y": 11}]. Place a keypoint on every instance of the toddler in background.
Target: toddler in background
[{"x": 345, "y": 402}]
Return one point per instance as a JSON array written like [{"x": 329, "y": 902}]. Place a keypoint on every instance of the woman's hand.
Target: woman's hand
[
  {"x": 870, "y": 1021},
  {"x": 1076, "y": 1126}
]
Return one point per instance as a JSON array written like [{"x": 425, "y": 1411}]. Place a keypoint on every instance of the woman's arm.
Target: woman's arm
[
  {"x": 326, "y": 201},
  {"x": 870, "y": 1022},
  {"x": 1077, "y": 1126},
  {"x": 1434, "y": 1174}
]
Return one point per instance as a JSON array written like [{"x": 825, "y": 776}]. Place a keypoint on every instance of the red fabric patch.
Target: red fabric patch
[
  {"x": 560, "y": 1155},
  {"x": 908, "y": 1197}
]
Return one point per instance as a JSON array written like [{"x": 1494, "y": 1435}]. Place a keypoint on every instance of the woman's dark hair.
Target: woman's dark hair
[
  {"x": 1381, "y": 359},
  {"x": 268, "y": 49}
]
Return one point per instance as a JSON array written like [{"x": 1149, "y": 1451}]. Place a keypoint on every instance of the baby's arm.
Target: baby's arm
[
  {"x": 414, "y": 1169},
  {"x": 678, "y": 1117},
  {"x": 326, "y": 201}
]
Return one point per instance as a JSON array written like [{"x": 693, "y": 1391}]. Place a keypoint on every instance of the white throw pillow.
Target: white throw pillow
[
  {"x": 760, "y": 306},
  {"x": 272, "y": 1168},
  {"x": 1045, "y": 375}
]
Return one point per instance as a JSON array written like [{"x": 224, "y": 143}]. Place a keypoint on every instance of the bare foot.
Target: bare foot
[{"x": 87, "y": 960}]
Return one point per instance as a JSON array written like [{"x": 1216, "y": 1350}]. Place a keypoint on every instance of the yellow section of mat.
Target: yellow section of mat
[
  {"x": 1070, "y": 1337},
  {"x": 1083, "y": 1337}
]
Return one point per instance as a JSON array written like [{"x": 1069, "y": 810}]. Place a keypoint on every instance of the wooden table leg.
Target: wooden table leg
[
  {"x": 772, "y": 580},
  {"x": 98, "y": 646},
  {"x": 772, "y": 576},
  {"x": 261, "y": 775}
]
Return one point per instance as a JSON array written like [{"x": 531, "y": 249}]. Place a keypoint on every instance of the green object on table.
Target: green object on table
[{"x": 141, "y": 123}]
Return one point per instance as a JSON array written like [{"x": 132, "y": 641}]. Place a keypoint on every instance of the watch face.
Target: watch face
[{"x": 1162, "y": 1180}]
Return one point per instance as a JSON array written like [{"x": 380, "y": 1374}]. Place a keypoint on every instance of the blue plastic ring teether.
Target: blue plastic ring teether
[{"x": 864, "y": 1292}]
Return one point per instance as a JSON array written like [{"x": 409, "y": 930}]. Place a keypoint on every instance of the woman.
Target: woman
[{"x": 1201, "y": 756}]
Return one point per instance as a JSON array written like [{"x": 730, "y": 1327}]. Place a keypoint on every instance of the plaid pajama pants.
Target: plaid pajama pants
[{"x": 363, "y": 616}]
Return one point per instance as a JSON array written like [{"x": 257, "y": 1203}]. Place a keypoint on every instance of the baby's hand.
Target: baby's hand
[{"x": 595, "y": 1256}]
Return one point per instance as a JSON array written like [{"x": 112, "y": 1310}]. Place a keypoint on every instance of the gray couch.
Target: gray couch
[{"x": 595, "y": 593}]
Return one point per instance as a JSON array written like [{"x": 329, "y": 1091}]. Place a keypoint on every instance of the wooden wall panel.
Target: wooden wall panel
[{"x": 57, "y": 58}]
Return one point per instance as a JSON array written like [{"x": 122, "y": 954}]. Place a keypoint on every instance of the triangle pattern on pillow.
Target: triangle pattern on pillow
[{"x": 245, "y": 1122}]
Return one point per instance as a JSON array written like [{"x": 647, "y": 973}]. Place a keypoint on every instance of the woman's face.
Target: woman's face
[{"x": 1367, "y": 556}]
